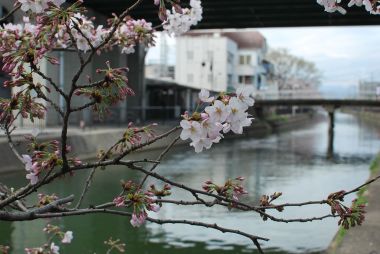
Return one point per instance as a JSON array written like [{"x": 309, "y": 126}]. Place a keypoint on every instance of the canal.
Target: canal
[{"x": 293, "y": 162}]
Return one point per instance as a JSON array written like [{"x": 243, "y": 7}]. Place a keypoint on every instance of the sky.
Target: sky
[{"x": 344, "y": 55}]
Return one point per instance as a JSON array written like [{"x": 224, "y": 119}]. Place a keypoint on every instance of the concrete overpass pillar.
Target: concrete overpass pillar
[
  {"x": 330, "y": 145},
  {"x": 136, "y": 80}
]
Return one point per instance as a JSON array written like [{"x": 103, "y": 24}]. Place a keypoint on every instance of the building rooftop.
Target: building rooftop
[{"x": 244, "y": 39}]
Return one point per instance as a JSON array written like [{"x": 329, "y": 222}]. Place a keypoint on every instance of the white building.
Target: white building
[
  {"x": 218, "y": 60},
  {"x": 369, "y": 89}
]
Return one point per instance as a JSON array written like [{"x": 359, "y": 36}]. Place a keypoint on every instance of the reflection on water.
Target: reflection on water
[{"x": 293, "y": 162}]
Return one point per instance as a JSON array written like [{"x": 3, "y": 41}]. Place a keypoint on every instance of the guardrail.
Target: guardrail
[{"x": 312, "y": 94}]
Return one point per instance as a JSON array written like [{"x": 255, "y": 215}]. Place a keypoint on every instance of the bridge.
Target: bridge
[
  {"x": 330, "y": 105},
  {"x": 335, "y": 103},
  {"x": 249, "y": 13}
]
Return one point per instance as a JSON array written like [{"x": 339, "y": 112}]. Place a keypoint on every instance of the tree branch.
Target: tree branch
[{"x": 16, "y": 8}]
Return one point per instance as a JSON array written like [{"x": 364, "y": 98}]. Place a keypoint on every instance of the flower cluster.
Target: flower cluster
[
  {"x": 4, "y": 249},
  {"x": 38, "y": 6},
  {"x": 232, "y": 188},
  {"x": 141, "y": 201},
  {"x": 349, "y": 216},
  {"x": 44, "y": 199},
  {"x": 133, "y": 136},
  {"x": 336, "y": 5},
  {"x": 266, "y": 200},
  {"x": 132, "y": 32},
  {"x": 111, "y": 90},
  {"x": 179, "y": 20},
  {"x": 115, "y": 245},
  {"x": 19, "y": 44},
  {"x": 24, "y": 103},
  {"x": 84, "y": 33},
  {"x": 45, "y": 157},
  {"x": 224, "y": 114},
  {"x": 51, "y": 247}
]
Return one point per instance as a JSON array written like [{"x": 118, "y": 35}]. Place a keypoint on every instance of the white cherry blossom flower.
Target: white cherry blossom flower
[
  {"x": 244, "y": 93},
  {"x": 218, "y": 112},
  {"x": 236, "y": 109},
  {"x": 237, "y": 126},
  {"x": 355, "y": 2},
  {"x": 179, "y": 23},
  {"x": 54, "y": 248},
  {"x": 191, "y": 129},
  {"x": 38, "y": 6},
  {"x": 203, "y": 143},
  {"x": 68, "y": 237},
  {"x": 204, "y": 95},
  {"x": 332, "y": 6},
  {"x": 32, "y": 177},
  {"x": 27, "y": 161},
  {"x": 211, "y": 129}
]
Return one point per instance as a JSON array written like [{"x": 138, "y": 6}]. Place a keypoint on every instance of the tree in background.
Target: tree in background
[{"x": 293, "y": 72}]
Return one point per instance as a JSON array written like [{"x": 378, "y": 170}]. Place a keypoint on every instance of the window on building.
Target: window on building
[
  {"x": 248, "y": 59},
  {"x": 190, "y": 55},
  {"x": 241, "y": 60},
  {"x": 230, "y": 57},
  {"x": 190, "y": 78},
  {"x": 245, "y": 60},
  {"x": 229, "y": 80},
  {"x": 247, "y": 80}
]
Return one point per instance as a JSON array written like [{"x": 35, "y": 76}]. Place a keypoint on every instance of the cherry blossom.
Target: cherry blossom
[
  {"x": 138, "y": 219},
  {"x": 332, "y": 6},
  {"x": 244, "y": 94},
  {"x": 38, "y": 6},
  {"x": 336, "y": 5},
  {"x": 35, "y": 6},
  {"x": 226, "y": 113},
  {"x": 191, "y": 129},
  {"x": 54, "y": 248},
  {"x": 31, "y": 168},
  {"x": 236, "y": 109},
  {"x": 355, "y": 2},
  {"x": 83, "y": 30},
  {"x": 68, "y": 237},
  {"x": 218, "y": 112},
  {"x": 202, "y": 143},
  {"x": 133, "y": 32},
  {"x": 179, "y": 21},
  {"x": 204, "y": 95},
  {"x": 119, "y": 201}
]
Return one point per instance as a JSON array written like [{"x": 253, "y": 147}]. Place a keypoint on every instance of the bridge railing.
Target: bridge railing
[{"x": 310, "y": 94}]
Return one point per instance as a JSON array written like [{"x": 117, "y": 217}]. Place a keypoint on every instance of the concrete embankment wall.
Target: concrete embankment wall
[
  {"x": 370, "y": 117},
  {"x": 86, "y": 144},
  {"x": 365, "y": 238}
]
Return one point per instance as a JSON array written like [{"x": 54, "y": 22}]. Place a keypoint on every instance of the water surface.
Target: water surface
[{"x": 294, "y": 163}]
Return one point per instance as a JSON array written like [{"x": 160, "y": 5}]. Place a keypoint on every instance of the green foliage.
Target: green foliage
[
  {"x": 375, "y": 165},
  {"x": 277, "y": 118}
]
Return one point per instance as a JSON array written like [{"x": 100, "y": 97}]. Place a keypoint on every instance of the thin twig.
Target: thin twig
[
  {"x": 361, "y": 186},
  {"x": 159, "y": 159},
  {"x": 9, "y": 14},
  {"x": 89, "y": 104},
  {"x": 11, "y": 144}
]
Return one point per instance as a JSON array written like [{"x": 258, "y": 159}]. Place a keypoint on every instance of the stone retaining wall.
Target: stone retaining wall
[{"x": 86, "y": 144}]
